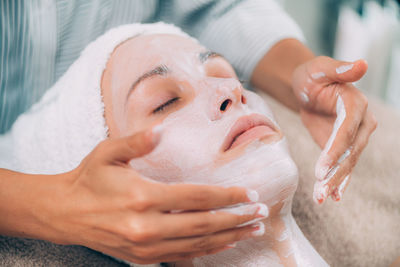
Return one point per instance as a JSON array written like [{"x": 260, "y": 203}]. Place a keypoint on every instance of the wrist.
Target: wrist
[
  {"x": 274, "y": 73},
  {"x": 31, "y": 204}
]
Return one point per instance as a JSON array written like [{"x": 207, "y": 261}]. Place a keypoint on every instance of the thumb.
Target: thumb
[
  {"x": 328, "y": 70},
  {"x": 126, "y": 148}
]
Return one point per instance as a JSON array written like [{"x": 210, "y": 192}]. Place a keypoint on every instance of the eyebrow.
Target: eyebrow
[
  {"x": 163, "y": 69},
  {"x": 160, "y": 70},
  {"x": 204, "y": 56}
]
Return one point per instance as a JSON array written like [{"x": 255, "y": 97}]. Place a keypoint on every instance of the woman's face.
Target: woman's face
[{"x": 213, "y": 131}]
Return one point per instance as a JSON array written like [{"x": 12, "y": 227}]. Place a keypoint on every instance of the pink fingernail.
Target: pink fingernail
[
  {"x": 263, "y": 211},
  {"x": 156, "y": 133},
  {"x": 335, "y": 196},
  {"x": 232, "y": 245},
  {"x": 259, "y": 229},
  {"x": 252, "y": 195},
  {"x": 320, "y": 192}
]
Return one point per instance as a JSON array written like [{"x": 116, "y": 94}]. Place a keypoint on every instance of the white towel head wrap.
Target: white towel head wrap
[{"x": 68, "y": 122}]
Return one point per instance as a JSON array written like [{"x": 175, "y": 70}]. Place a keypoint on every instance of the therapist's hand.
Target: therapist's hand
[
  {"x": 107, "y": 206},
  {"x": 336, "y": 115}
]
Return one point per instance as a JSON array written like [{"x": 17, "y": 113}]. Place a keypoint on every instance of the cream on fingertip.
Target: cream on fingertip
[
  {"x": 232, "y": 245},
  {"x": 260, "y": 231},
  {"x": 263, "y": 211},
  {"x": 252, "y": 195},
  {"x": 320, "y": 192},
  {"x": 344, "y": 68}
]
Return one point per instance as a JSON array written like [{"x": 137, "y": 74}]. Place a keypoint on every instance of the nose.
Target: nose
[
  {"x": 232, "y": 93},
  {"x": 228, "y": 94},
  {"x": 226, "y": 104}
]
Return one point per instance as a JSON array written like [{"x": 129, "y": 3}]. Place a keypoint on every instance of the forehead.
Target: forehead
[{"x": 154, "y": 48}]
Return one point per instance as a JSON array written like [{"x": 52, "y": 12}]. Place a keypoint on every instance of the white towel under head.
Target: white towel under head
[{"x": 68, "y": 122}]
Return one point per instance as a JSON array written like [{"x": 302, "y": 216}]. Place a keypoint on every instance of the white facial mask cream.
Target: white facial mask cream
[{"x": 191, "y": 150}]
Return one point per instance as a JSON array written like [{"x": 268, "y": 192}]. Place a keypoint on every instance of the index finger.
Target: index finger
[{"x": 204, "y": 197}]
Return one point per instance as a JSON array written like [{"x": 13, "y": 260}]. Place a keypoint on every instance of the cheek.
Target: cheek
[
  {"x": 257, "y": 104},
  {"x": 190, "y": 142}
]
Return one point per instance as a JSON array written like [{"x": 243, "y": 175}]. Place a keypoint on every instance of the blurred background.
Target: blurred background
[{"x": 354, "y": 29}]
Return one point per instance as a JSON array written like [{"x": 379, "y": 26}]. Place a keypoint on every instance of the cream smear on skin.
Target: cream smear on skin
[
  {"x": 322, "y": 171},
  {"x": 190, "y": 152},
  {"x": 318, "y": 75},
  {"x": 344, "y": 68}
]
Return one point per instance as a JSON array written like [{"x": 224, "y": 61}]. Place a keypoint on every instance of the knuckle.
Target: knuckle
[
  {"x": 349, "y": 134},
  {"x": 102, "y": 146},
  {"x": 141, "y": 231},
  {"x": 141, "y": 201},
  {"x": 322, "y": 58},
  {"x": 202, "y": 226},
  {"x": 203, "y": 243},
  {"x": 202, "y": 196},
  {"x": 353, "y": 160},
  {"x": 235, "y": 195}
]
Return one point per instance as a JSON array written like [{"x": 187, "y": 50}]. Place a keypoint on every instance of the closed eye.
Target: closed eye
[{"x": 165, "y": 105}]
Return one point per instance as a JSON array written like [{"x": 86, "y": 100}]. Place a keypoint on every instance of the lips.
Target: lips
[{"x": 247, "y": 129}]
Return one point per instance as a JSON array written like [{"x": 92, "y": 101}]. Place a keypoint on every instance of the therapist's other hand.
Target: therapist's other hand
[
  {"x": 336, "y": 115},
  {"x": 107, "y": 206}
]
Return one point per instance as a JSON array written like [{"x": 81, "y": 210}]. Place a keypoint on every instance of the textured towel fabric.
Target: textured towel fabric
[{"x": 68, "y": 122}]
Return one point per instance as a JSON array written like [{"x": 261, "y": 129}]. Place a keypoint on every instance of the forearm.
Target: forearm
[
  {"x": 273, "y": 73},
  {"x": 25, "y": 202}
]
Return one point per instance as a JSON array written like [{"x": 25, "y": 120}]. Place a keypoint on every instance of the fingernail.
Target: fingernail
[
  {"x": 249, "y": 222},
  {"x": 252, "y": 195},
  {"x": 320, "y": 192},
  {"x": 344, "y": 68},
  {"x": 232, "y": 245},
  {"x": 262, "y": 213},
  {"x": 259, "y": 229},
  {"x": 156, "y": 133},
  {"x": 263, "y": 210},
  {"x": 335, "y": 196},
  {"x": 365, "y": 61},
  {"x": 244, "y": 209}
]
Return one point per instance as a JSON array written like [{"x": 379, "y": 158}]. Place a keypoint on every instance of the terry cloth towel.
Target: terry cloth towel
[{"x": 68, "y": 122}]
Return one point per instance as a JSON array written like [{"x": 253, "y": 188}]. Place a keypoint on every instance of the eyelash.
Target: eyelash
[
  {"x": 173, "y": 100},
  {"x": 166, "y": 104}
]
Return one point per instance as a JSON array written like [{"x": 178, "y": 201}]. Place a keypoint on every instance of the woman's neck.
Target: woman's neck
[
  {"x": 283, "y": 244},
  {"x": 289, "y": 243}
]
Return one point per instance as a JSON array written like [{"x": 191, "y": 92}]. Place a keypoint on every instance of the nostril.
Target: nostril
[
  {"x": 244, "y": 100},
  {"x": 225, "y": 104}
]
